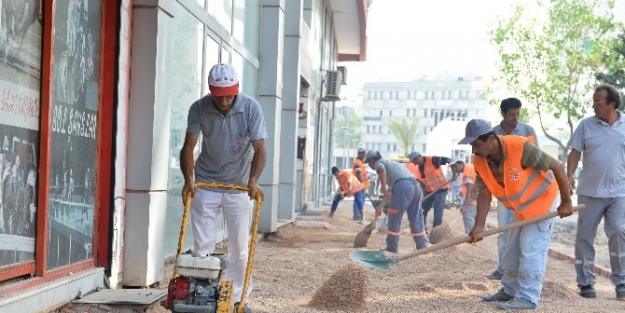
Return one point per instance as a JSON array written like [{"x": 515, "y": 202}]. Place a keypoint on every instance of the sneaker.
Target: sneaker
[
  {"x": 331, "y": 215},
  {"x": 246, "y": 309},
  {"x": 620, "y": 292},
  {"x": 496, "y": 275},
  {"x": 518, "y": 304},
  {"x": 588, "y": 291},
  {"x": 499, "y": 296}
]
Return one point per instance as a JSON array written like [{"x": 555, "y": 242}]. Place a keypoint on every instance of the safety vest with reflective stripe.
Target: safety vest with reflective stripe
[
  {"x": 434, "y": 177},
  {"x": 528, "y": 192},
  {"x": 363, "y": 172},
  {"x": 344, "y": 178},
  {"x": 468, "y": 171}
]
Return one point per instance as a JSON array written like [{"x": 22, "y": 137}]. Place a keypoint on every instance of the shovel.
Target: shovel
[
  {"x": 363, "y": 236},
  {"x": 379, "y": 260}
]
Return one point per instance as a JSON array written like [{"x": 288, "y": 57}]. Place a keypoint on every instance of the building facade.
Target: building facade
[
  {"x": 93, "y": 116},
  {"x": 435, "y": 102}
]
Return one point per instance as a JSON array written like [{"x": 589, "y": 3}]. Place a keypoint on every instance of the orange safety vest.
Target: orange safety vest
[
  {"x": 413, "y": 169},
  {"x": 434, "y": 177},
  {"x": 349, "y": 177},
  {"x": 528, "y": 192},
  {"x": 363, "y": 172},
  {"x": 532, "y": 138},
  {"x": 468, "y": 171}
]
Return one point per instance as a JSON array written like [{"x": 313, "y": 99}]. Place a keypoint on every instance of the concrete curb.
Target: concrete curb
[{"x": 600, "y": 271}]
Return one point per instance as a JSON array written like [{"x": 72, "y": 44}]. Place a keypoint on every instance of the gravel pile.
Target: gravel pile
[
  {"x": 346, "y": 289},
  {"x": 441, "y": 233}
]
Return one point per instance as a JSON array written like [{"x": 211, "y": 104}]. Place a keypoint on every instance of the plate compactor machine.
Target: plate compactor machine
[
  {"x": 199, "y": 285},
  {"x": 200, "y": 288}
]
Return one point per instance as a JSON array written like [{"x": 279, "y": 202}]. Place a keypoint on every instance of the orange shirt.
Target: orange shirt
[{"x": 346, "y": 179}]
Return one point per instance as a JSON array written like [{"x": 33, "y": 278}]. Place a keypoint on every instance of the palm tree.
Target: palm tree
[{"x": 405, "y": 131}]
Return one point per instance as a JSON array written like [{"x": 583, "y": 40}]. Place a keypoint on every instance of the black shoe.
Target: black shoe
[
  {"x": 620, "y": 292},
  {"x": 246, "y": 309},
  {"x": 589, "y": 291},
  {"x": 499, "y": 296},
  {"x": 496, "y": 275}
]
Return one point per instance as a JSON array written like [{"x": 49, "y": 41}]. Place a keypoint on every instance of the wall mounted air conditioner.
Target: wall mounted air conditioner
[
  {"x": 343, "y": 71},
  {"x": 333, "y": 82}
]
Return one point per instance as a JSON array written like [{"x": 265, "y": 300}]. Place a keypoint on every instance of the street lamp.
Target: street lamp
[{"x": 346, "y": 135}]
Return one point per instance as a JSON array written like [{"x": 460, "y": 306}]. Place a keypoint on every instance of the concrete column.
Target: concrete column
[
  {"x": 148, "y": 142},
  {"x": 270, "y": 98},
  {"x": 290, "y": 99}
]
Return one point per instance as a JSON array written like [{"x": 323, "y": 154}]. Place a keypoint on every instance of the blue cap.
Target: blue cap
[
  {"x": 475, "y": 128},
  {"x": 413, "y": 155}
]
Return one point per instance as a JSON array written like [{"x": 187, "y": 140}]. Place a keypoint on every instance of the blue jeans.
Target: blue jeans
[
  {"x": 525, "y": 261},
  {"x": 359, "y": 205},
  {"x": 437, "y": 201},
  {"x": 469, "y": 218},
  {"x": 503, "y": 219},
  {"x": 335, "y": 202}
]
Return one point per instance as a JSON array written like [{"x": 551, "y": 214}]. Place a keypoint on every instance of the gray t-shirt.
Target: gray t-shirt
[
  {"x": 227, "y": 149},
  {"x": 603, "y": 157},
  {"x": 520, "y": 129},
  {"x": 394, "y": 171}
]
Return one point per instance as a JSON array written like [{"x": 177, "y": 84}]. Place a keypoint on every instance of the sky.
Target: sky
[{"x": 407, "y": 39}]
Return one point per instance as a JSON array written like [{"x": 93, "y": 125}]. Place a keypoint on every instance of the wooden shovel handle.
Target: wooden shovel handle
[{"x": 463, "y": 239}]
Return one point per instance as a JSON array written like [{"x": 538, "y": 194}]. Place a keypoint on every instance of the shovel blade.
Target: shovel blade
[{"x": 371, "y": 259}]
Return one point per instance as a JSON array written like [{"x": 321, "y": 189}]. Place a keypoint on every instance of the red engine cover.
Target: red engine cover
[{"x": 178, "y": 289}]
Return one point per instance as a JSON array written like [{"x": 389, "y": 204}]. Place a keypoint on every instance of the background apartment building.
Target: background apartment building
[{"x": 442, "y": 106}]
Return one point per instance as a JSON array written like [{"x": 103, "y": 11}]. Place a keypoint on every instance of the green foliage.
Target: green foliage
[
  {"x": 614, "y": 61},
  {"x": 348, "y": 130},
  {"x": 405, "y": 131},
  {"x": 550, "y": 61}
]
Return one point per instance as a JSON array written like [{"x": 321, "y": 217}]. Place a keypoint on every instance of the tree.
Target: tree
[
  {"x": 405, "y": 131},
  {"x": 614, "y": 62},
  {"x": 551, "y": 60},
  {"x": 348, "y": 130}
]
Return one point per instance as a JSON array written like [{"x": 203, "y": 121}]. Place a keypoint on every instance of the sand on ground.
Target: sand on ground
[{"x": 292, "y": 265}]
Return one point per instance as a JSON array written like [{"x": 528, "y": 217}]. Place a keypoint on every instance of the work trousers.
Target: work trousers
[
  {"x": 612, "y": 210},
  {"x": 437, "y": 201},
  {"x": 237, "y": 211},
  {"x": 503, "y": 218},
  {"x": 406, "y": 197},
  {"x": 525, "y": 260}
]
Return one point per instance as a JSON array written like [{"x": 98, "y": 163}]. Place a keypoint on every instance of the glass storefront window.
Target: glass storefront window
[
  {"x": 186, "y": 81},
  {"x": 221, "y": 10},
  {"x": 248, "y": 75},
  {"x": 75, "y": 100},
  {"x": 225, "y": 55},
  {"x": 20, "y": 78},
  {"x": 212, "y": 54},
  {"x": 245, "y": 26}
]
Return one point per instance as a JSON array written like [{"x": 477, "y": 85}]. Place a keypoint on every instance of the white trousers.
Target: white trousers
[{"x": 237, "y": 211}]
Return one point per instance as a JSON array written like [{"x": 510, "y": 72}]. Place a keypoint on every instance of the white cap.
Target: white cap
[
  {"x": 223, "y": 80},
  {"x": 455, "y": 160}
]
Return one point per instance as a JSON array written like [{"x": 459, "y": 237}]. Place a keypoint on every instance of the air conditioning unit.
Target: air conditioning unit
[
  {"x": 333, "y": 84},
  {"x": 343, "y": 71}
]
